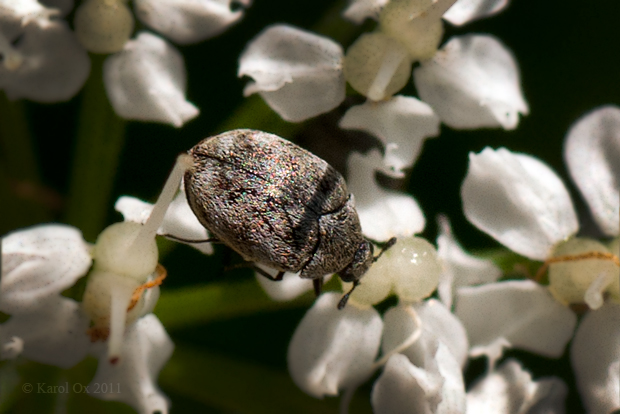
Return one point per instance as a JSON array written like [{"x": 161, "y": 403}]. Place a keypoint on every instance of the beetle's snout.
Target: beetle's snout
[{"x": 362, "y": 260}]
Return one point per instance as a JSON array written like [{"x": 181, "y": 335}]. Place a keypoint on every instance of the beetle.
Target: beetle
[{"x": 279, "y": 205}]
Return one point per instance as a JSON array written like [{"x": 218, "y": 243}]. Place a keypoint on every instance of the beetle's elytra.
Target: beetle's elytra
[{"x": 277, "y": 204}]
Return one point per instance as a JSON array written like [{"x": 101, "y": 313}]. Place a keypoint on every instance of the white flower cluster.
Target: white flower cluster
[
  {"x": 39, "y": 263},
  {"x": 145, "y": 77},
  {"x": 424, "y": 343},
  {"x": 471, "y": 82}
]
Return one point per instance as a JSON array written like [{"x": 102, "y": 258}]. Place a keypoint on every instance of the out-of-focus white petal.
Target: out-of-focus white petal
[
  {"x": 38, "y": 263},
  {"x": 521, "y": 312},
  {"x": 438, "y": 323},
  {"x": 179, "y": 220},
  {"x": 472, "y": 82},
  {"x": 146, "y": 81},
  {"x": 290, "y": 287},
  {"x": 595, "y": 355},
  {"x": 459, "y": 267},
  {"x": 511, "y": 390},
  {"x": 402, "y": 123},
  {"x": 47, "y": 64},
  {"x": 592, "y": 153},
  {"x": 146, "y": 349},
  {"x": 332, "y": 349},
  {"x": 54, "y": 333},
  {"x": 519, "y": 201},
  {"x": 188, "y": 21},
  {"x": 436, "y": 387},
  {"x": 298, "y": 73},
  {"x": 360, "y": 10},
  {"x": 383, "y": 213},
  {"x": 465, "y": 11}
]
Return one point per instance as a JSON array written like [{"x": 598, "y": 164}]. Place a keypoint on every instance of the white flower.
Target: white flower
[
  {"x": 333, "y": 349},
  {"x": 146, "y": 81},
  {"x": 510, "y": 390},
  {"x": 473, "y": 82},
  {"x": 592, "y": 151},
  {"x": 38, "y": 264},
  {"x": 41, "y": 262},
  {"x": 401, "y": 123},
  {"x": 459, "y": 267},
  {"x": 298, "y": 73},
  {"x": 42, "y": 60},
  {"x": 189, "y": 21},
  {"x": 519, "y": 201},
  {"x": 519, "y": 314},
  {"x": 595, "y": 356},
  {"x": 383, "y": 213}
]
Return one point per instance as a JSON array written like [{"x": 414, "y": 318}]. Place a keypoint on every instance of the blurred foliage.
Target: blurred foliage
[{"x": 230, "y": 339}]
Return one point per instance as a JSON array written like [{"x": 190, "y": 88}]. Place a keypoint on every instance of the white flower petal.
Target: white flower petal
[
  {"x": 146, "y": 81},
  {"x": 465, "y": 11},
  {"x": 592, "y": 153},
  {"x": 332, "y": 349},
  {"x": 179, "y": 220},
  {"x": 383, "y": 213},
  {"x": 595, "y": 355},
  {"x": 521, "y": 312},
  {"x": 146, "y": 349},
  {"x": 437, "y": 387},
  {"x": 519, "y": 201},
  {"x": 49, "y": 65},
  {"x": 298, "y": 73},
  {"x": 402, "y": 123},
  {"x": 511, "y": 390},
  {"x": 54, "y": 333},
  {"x": 360, "y": 10},
  {"x": 187, "y": 21},
  {"x": 38, "y": 263},
  {"x": 460, "y": 268},
  {"x": 438, "y": 323},
  {"x": 472, "y": 82}
]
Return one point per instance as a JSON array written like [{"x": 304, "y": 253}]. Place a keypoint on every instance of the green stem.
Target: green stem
[
  {"x": 231, "y": 385},
  {"x": 100, "y": 138},
  {"x": 197, "y": 305},
  {"x": 24, "y": 201}
]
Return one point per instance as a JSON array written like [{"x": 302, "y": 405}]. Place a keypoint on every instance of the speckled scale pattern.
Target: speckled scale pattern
[{"x": 273, "y": 202}]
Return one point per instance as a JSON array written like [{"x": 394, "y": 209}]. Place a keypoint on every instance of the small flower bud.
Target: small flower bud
[
  {"x": 410, "y": 269},
  {"x": 103, "y": 26},
  {"x": 377, "y": 66},
  {"x": 116, "y": 252},
  {"x": 583, "y": 280}
]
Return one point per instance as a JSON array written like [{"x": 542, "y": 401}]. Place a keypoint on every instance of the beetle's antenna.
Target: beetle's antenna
[
  {"x": 345, "y": 297},
  {"x": 385, "y": 247},
  {"x": 191, "y": 241}
]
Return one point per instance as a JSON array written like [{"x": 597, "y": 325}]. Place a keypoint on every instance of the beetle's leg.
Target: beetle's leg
[
  {"x": 182, "y": 240},
  {"x": 318, "y": 285},
  {"x": 275, "y": 278}
]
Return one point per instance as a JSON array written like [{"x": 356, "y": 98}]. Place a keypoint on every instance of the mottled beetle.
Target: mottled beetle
[{"x": 279, "y": 205}]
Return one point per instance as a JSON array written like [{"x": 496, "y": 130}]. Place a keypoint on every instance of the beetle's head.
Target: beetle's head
[{"x": 360, "y": 264}]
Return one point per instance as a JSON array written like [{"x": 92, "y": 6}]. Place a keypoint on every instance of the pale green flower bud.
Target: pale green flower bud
[
  {"x": 583, "y": 280},
  {"x": 377, "y": 66},
  {"x": 103, "y": 26}
]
